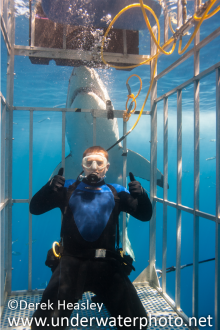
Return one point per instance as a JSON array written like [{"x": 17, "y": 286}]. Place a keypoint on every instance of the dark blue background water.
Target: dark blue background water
[{"x": 46, "y": 86}]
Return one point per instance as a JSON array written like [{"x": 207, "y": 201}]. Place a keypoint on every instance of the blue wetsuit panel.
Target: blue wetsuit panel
[
  {"x": 119, "y": 188},
  {"x": 91, "y": 207},
  {"x": 69, "y": 183}
]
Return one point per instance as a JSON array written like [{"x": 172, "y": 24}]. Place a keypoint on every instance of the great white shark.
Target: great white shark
[{"x": 87, "y": 91}]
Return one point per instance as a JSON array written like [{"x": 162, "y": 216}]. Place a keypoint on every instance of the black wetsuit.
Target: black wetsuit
[{"x": 90, "y": 215}]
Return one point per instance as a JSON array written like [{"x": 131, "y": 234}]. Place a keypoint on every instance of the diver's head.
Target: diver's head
[{"x": 95, "y": 163}]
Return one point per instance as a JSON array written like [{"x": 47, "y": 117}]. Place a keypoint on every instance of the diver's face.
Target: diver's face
[{"x": 95, "y": 163}]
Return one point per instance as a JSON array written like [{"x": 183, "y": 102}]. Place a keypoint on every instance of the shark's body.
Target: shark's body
[{"x": 87, "y": 91}]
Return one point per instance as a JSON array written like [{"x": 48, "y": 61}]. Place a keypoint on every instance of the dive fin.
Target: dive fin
[{"x": 140, "y": 167}]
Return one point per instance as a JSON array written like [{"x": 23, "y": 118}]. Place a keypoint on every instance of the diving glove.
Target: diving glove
[
  {"x": 58, "y": 181},
  {"x": 135, "y": 187}
]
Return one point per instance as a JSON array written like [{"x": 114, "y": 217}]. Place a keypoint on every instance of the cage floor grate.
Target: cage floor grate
[{"x": 157, "y": 308}]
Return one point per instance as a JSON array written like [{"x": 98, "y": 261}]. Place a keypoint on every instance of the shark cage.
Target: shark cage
[{"x": 74, "y": 44}]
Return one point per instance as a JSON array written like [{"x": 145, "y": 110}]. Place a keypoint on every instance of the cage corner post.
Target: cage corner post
[
  {"x": 9, "y": 145},
  {"x": 153, "y": 159}
]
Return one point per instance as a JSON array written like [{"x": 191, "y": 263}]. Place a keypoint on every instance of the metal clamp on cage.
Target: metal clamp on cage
[{"x": 109, "y": 109}]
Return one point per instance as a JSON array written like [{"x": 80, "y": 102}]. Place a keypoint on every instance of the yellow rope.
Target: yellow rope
[
  {"x": 145, "y": 101},
  {"x": 196, "y": 29},
  {"x": 127, "y": 115},
  {"x": 160, "y": 49},
  {"x": 207, "y": 16},
  {"x": 151, "y": 32},
  {"x": 170, "y": 25},
  {"x": 113, "y": 21}
]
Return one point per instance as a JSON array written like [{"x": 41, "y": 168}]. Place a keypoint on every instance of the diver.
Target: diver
[{"x": 89, "y": 260}]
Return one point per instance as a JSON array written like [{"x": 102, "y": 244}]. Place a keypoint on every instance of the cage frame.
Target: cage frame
[{"x": 8, "y": 32}]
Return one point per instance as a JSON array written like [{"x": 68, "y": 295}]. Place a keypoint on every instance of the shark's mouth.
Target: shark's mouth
[{"x": 87, "y": 90}]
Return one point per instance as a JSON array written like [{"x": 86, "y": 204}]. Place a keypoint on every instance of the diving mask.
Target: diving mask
[{"x": 94, "y": 162}]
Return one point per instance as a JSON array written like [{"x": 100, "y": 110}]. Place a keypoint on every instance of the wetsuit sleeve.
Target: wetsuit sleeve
[
  {"x": 47, "y": 199},
  {"x": 139, "y": 207}
]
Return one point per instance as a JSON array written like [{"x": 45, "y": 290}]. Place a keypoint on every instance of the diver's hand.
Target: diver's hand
[
  {"x": 135, "y": 187},
  {"x": 58, "y": 181}
]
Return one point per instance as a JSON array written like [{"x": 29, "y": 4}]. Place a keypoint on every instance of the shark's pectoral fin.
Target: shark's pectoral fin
[
  {"x": 140, "y": 167},
  {"x": 72, "y": 168}
]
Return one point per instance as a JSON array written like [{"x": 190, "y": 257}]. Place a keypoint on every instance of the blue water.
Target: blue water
[{"x": 46, "y": 86}]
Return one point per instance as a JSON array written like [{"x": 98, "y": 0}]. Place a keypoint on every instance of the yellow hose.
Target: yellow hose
[
  {"x": 171, "y": 28},
  {"x": 207, "y": 16},
  {"x": 113, "y": 21},
  {"x": 126, "y": 115},
  {"x": 196, "y": 29},
  {"x": 151, "y": 32},
  {"x": 145, "y": 101},
  {"x": 170, "y": 25},
  {"x": 135, "y": 75}
]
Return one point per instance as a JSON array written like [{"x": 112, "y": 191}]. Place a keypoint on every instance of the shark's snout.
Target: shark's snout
[{"x": 86, "y": 80}]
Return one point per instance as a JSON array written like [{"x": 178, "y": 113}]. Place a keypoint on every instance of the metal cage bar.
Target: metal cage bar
[
  {"x": 153, "y": 158},
  {"x": 195, "y": 289},
  {"x": 9, "y": 197},
  {"x": 2, "y": 258},
  {"x": 30, "y": 196},
  {"x": 95, "y": 112},
  {"x": 3, "y": 139},
  {"x": 124, "y": 174},
  {"x": 184, "y": 57},
  {"x": 2, "y": 214},
  {"x": 63, "y": 140},
  {"x": 179, "y": 14},
  {"x": 187, "y": 209},
  {"x": 80, "y": 55},
  {"x": 5, "y": 11},
  {"x": 9, "y": 141},
  {"x": 1, "y": 8},
  {"x": 189, "y": 82},
  {"x": 4, "y": 209},
  {"x": 165, "y": 173},
  {"x": 3, "y": 23},
  {"x": 6, "y": 205},
  {"x": 166, "y": 28},
  {"x": 179, "y": 195},
  {"x": 31, "y": 25},
  {"x": 217, "y": 236}
]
